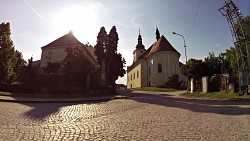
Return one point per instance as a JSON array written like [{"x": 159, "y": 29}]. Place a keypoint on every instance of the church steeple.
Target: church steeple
[
  {"x": 139, "y": 49},
  {"x": 139, "y": 44},
  {"x": 157, "y": 34}
]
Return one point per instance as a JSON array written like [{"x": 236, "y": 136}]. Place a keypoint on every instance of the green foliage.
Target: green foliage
[
  {"x": 111, "y": 63},
  {"x": 195, "y": 68},
  {"x": 52, "y": 68},
  {"x": 173, "y": 82},
  {"x": 214, "y": 95},
  {"x": 214, "y": 64},
  {"x": 101, "y": 45},
  {"x": 30, "y": 76},
  {"x": 214, "y": 83},
  {"x": 77, "y": 67},
  {"x": 11, "y": 60},
  {"x": 156, "y": 89}
]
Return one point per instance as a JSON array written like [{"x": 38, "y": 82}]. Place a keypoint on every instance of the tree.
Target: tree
[
  {"x": 29, "y": 75},
  {"x": 101, "y": 45},
  {"x": 111, "y": 63},
  {"x": 52, "y": 68},
  {"x": 100, "y": 52},
  {"x": 77, "y": 66},
  {"x": 195, "y": 68},
  {"x": 174, "y": 82},
  {"x": 111, "y": 56},
  {"x": 11, "y": 60},
  {"x": 17, "y": 64},
  {"x": 214, "y": 64}
]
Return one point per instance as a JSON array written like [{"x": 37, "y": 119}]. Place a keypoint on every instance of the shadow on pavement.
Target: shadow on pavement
[
  {"x": 225, "y": 107},
  {"x": 41, "y": 110}
]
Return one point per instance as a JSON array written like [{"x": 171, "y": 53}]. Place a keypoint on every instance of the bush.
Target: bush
[
  {"x": 15, "y": 88},
  {"x": 214, "y": 83},
  {"x": 174, "y": 82}
]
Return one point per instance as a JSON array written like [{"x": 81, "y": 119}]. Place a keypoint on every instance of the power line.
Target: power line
[{"x": 197, "y": 10}]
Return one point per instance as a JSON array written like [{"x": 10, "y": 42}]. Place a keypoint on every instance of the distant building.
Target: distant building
[
  {"x": 153, "y": 67},
  {"x": 55, "y": 51}
]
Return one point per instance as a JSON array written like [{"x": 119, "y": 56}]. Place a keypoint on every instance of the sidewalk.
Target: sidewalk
[{"x": 121, "y": 94}]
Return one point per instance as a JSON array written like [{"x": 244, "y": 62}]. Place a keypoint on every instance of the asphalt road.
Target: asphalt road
[{"x": 145, "y": 116}]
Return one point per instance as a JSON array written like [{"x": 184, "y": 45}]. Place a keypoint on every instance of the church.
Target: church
[{"x": 153, "y": 67}]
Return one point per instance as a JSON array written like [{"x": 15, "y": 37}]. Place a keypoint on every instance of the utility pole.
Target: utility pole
[{"x": 233, "y": 16}]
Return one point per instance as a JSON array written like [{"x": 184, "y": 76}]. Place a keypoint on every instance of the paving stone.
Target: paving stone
[{"x": 144, "y": 117}]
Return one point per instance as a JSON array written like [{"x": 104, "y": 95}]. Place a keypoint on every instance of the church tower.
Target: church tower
[
  {"x": 157, "y": 34},
  {"x": 140, "y": 49}
]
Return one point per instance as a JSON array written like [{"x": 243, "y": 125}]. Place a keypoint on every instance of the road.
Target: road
[{"x": 145, "y": 116}]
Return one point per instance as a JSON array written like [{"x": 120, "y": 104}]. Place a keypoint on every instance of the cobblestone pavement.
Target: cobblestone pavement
[{"x": 143, "y": 117}]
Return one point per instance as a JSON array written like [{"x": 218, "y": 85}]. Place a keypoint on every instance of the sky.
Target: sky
[{"x": 36, "y": 23}]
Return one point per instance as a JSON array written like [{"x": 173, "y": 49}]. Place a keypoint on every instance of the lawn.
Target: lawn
[
  {"x": 212, "y": 95},
  {"x": 155, "y": 89}
]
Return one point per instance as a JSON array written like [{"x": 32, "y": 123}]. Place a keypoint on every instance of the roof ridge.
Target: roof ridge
[
  {"x": 67, "y": 39},
  {"x": 161, "y": 45}
]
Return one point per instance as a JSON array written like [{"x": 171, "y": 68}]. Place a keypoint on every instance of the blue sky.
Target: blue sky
[{"x": 35, "y": 23}]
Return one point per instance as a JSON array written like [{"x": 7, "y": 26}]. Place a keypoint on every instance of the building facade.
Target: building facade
[
  {"x": 55, "y": 51},
  {"x": 153, "y": 67}
]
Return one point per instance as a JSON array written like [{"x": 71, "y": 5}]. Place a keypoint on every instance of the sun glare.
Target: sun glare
[{"x": 79, "y": 19}]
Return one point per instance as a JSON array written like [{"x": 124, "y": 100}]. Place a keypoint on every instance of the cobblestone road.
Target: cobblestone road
[{"x": 143, "y": 117}]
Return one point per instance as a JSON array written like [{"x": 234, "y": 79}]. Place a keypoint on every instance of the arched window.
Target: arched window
[
  {"x": 137, "y": 74},
  {"x": 159, "y": 68}
]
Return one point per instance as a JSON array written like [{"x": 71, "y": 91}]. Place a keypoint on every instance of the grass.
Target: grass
[
  {"x": 155, "y": 89},
  {"x": 212, "y": 95}
]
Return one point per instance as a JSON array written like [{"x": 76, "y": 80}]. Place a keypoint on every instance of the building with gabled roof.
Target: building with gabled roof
[
  {"x": 153, "y": 67},
  {"x": 55, "y": 51}
]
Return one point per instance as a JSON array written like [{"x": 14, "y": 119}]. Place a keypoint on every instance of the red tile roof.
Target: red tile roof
[{"x": 161, "y": 45}]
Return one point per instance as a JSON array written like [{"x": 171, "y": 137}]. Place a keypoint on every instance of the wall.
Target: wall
[
  {"x": 136, "y": 82},
  {"x": 170, "y": 66}
]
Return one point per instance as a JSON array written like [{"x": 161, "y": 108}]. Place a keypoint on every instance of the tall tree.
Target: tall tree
[
  {"x": 100, "y": 52},
  {"x": 101, "y": 45},
  {"x": 17, "y": 64},
  {"x": 7, "y": 52},
  {"x": 111, "y": 62},
  {"x": 111, "y": 53}
]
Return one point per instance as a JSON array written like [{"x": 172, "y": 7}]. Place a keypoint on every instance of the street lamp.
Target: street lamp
[{"x": 185, "y": 57}]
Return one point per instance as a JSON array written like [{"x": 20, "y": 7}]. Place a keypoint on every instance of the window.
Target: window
[
  {"x": 134, "y": 75},
  {"x": 159, "y": 68},
  {"x": 131, "y": 77},
  {"x": 149, "y": 71},
  {"x": 137, "y": 74}
]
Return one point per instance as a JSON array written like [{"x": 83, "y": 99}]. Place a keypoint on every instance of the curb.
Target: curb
[{"x": 63, "y": 101}]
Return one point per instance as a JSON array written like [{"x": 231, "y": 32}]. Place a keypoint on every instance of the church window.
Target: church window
[
  {"x": 159, "y": 68},
  {"x": 134, "y": 75},
  {"x": 131, "y": 77},
  {"x": 137, "y": 74}
]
